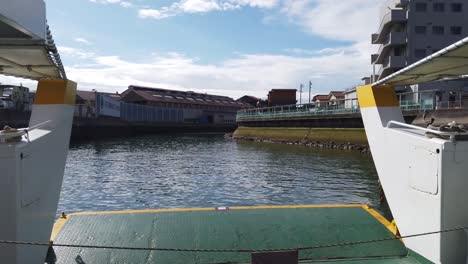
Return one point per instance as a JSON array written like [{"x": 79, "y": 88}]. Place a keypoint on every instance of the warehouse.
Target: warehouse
[{"x": 145, "y": 104}]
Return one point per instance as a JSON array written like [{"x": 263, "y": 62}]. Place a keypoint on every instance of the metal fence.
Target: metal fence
[
  {"x": 459, "y": 104},
  {"x": 411, "y": 105},
  {"x": 144, "y": 113},
  {"x": 338, "y": 107}
]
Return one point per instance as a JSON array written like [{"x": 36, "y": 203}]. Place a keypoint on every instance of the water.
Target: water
[{"x": 164, "y": 171}]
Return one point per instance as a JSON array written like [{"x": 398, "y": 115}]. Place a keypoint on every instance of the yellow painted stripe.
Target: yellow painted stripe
[
  {"x": 55, "y": 92},
  {"x": 58, "y": 227},
  {"x": 61, "y": 221},
  {"x": 215, "y": 208},
  {"x": 382, "y": 220},
  {"x": 377, "y": 96}
]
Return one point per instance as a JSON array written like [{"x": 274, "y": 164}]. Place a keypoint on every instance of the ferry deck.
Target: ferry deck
[{"x": 265, "y": 234}]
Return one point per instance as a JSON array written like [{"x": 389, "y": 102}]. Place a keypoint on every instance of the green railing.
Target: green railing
[
  {"x": 320, "y": 109},
  {"x": 417, "y": 105}
]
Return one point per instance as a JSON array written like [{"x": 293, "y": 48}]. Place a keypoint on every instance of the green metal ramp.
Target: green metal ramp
[{"x": 204, "y": 235}]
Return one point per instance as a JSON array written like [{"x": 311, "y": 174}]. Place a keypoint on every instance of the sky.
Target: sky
[{"x": 225, "y": 47}]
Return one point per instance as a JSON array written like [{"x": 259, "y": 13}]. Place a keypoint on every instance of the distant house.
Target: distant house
[
  {"x": 320, "y": 100},
  {"x": 282, "y": 97},
  {"x": 85, "y": 103},
  {"x": 15, "y": 97},
  {"x": 336, "y": 98},
  {"x": 366, "y": 80},
  {"x": 350, "y": 97},
  {"x": 252, "y": 101}
]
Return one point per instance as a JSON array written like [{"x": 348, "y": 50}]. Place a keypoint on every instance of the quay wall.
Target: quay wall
[
  {"x": 108, "y": 127},
  {"x": 322, "y": 137},
  {"x": 353, "y": 120}
]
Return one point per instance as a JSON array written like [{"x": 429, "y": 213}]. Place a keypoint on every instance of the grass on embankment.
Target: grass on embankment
[{"x": 337, "y": 135}]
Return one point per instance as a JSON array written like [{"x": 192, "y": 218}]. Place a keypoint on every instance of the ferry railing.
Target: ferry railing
[{"x": 450, "y": 134}]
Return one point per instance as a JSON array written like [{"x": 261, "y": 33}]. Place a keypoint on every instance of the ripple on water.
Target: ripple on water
[{"x": 164, "y": 171}]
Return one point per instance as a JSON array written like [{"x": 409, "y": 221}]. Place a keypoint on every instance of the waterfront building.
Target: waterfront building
[
  {"x": 320, "y": 100},
  {"x": 282, "y": 97},
  {"x": 336, "y": 98},
  {"x": 410, "y": 30},
  {"x": 252, "y": 101},
  {"x": 350, "y": 98},
  {"x": 14, "y": 97},
  {"x": 146, "y": 104},
  {"x": 93, "y": 104}
]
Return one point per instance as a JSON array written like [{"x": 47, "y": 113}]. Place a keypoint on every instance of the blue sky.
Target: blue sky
[{"x": 229, "y": 47}]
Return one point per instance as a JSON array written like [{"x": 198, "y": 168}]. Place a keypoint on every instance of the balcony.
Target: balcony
[
  {"x": 403, "y": 3},
  {"x": 390, "y": 65},
  {"x": 394, "y": 39},
  {"x": 392, "y": 17}
]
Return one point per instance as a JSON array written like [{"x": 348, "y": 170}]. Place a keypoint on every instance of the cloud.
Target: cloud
[
  {"x": 32, "y": 85},
  {"x": 83, "y": 41},
  {"x": 253, "y": 74},
  {"x": 126, "y": 4},
  {"x": 350, "y": 20},
  {"x": 119, "y": 2},
  {"x": 202, "y": 6},
  {"x": 75, "y": 53}
]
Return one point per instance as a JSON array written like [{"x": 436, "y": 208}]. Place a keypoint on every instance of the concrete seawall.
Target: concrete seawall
[
  {"x": 107, "y": 127},
  {"x": 345, "y": 138}
]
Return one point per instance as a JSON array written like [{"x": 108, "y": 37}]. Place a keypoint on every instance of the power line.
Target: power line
[{"x": 51, "y": 244}]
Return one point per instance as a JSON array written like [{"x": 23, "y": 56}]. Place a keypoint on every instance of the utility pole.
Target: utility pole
[
  {"x": 300, "y": 93},
  {"x": 310, "y": 89}
]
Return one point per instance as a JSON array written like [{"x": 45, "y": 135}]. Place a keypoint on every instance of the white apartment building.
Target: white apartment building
[{"x": 410, "y": 30}]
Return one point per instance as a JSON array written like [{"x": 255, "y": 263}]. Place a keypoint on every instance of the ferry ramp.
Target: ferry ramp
[{"x": 325, "y": 233}]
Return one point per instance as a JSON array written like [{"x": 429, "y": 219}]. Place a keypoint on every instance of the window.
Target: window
[
  {"x": 421, "y": 7},
  {"x": 456, "y": 30},
  {"x": 457, "y": 7},
  {"x": 438, "y": 30},
  {"x": 420, "y": 53},
  {"x": 438, "y": 7},
  {"x": 399, "y": 51},
  {"x": 420, "y": 30}
]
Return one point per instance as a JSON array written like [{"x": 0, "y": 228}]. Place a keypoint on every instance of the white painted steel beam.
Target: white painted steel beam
[{"x": 27, "y": 48}]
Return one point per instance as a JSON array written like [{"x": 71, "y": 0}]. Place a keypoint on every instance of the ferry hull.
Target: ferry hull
[
  {"x": 423, "y": 177},
  {"x": 32, "y": 173}
]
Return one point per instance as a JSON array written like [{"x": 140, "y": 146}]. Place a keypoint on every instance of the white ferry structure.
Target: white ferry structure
[{"x": 423, "y": 171}]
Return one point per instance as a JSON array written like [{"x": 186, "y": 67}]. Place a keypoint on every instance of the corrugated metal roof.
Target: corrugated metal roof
[
  {"x": 85, "y": 95},
  {"x": 182, "y": 97},
  {"x": 322, "y": 97}
]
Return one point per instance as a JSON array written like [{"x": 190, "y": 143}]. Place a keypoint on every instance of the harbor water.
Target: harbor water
[{"x": 175, "y": 171}]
